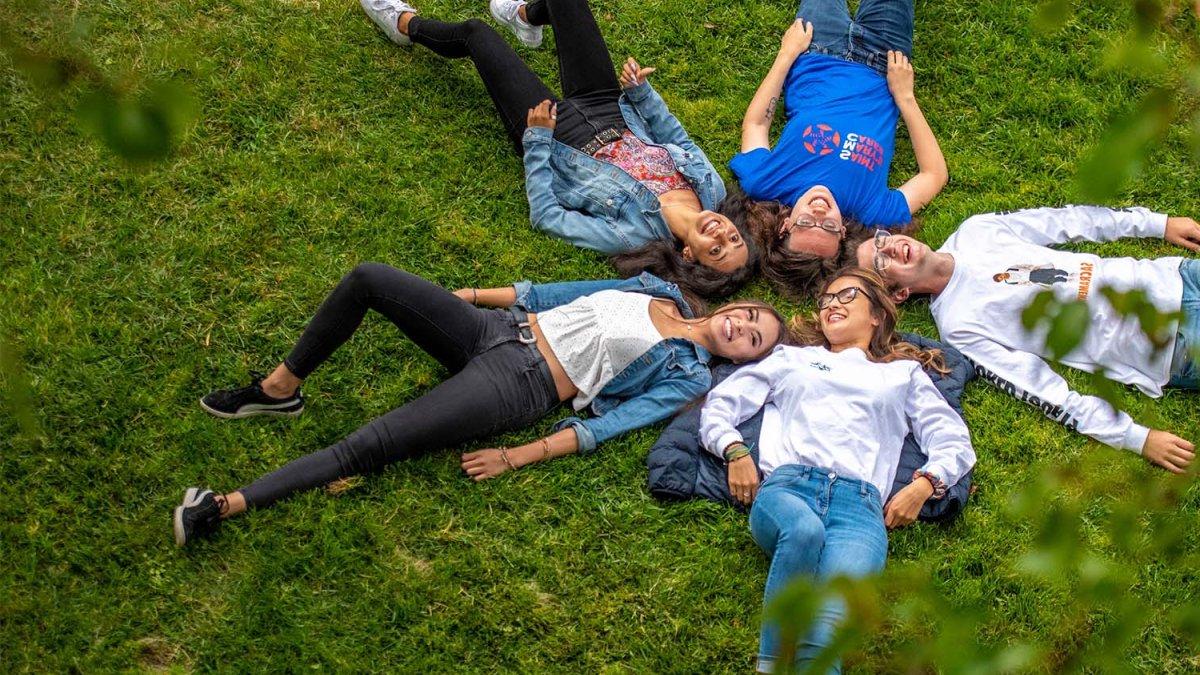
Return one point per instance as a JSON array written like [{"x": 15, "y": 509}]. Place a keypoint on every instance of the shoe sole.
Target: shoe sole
[
  {"x": 241, "y": 414},
  {"x": 180, "y": 535},
  {"x": 500, "y": 20}
]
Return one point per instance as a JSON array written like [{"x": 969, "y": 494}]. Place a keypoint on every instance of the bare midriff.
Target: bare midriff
[{"x": 562, "y": 384}]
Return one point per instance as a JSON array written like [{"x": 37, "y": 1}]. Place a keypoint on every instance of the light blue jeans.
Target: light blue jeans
[
  {"x": 815, "y": 523},
  {"x": 1184, "y": 373},
  {"x": 877, "y": 26}
]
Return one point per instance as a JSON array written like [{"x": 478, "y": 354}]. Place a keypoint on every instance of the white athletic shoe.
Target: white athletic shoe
[
  {"x": 385, "y": 14},
  {"x": 508, "y": 13}
]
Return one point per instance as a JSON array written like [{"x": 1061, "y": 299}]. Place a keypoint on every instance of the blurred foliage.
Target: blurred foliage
[
  {"x": 1106, "y": 614},
  {"x": 140, "y": 119}
]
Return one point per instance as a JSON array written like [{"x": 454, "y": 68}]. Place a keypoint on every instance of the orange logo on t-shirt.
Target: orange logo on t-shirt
[{"x": 822, "y": 140}]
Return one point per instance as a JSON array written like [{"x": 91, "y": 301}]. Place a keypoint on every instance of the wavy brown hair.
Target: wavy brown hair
[
  {"x": 885, "y": 345},
  {"x": 799, "y": 275},
  {"x": 664, "y": 259}
]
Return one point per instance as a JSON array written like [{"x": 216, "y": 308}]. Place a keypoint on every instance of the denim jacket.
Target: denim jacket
[
  {"x": 596, "y": 205},
  {"x": 652, "y": 388}
]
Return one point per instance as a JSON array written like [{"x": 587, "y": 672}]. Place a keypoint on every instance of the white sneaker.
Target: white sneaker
[
  {"x": 508, "y": 13},
  {"x": 385, "y": 14}
]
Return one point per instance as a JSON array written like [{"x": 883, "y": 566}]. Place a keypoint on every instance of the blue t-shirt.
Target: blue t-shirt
[{"x": 840, "y": 133}]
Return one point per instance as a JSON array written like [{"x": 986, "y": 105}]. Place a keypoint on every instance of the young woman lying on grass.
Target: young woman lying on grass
[
  {"x": 847, "y": 400},
  {"x": 607, "y": 166},
  {"x": 631, "y": 349},
  {"x": 844, "y": 83}
]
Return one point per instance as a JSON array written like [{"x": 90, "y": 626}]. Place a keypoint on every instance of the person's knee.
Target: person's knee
[
  {"x": 367, "y": 275},
  {"x": 805, "y": 534},
  {"x": 475, "y": 27}
]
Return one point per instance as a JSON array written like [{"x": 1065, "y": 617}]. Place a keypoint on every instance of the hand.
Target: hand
[
  {"x": 900, "y": 76},
  {"x": 903, "y": 507},
  {"x": 632, "y": 74},
  {"x": 467, "y": 295},
  {"x": 543, "y": 114},
  {"x": 1183, "y": 232},
  {"x": 743, "y": 480},
  {"x": 797, "y": 38},
  {"x": 483, "y": 464},
  {"x": 1168, "y": 451}
]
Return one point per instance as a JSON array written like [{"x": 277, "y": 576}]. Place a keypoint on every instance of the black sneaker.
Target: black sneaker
[
  {"x": 197, "y": 516},
  {"x": 251, "y": 400}
]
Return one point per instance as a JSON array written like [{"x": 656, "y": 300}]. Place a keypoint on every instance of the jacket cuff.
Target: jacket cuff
[
  {"x": 1135, "y": 438},
  {"x": 1158, "y": 225},
  {"x": 537, "y": 135},
  {"x": 583, "y": 436},
  {"x": 639, "y": 93},
  {"x": 522, "y": 289},
  {"x": 939, "y": 485}
]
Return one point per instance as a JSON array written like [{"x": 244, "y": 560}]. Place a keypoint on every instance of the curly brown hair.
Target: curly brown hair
[{"x": 885, "y": 345}]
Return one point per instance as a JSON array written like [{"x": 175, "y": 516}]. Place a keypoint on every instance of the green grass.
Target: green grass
[{"x": 129, "y": 293}]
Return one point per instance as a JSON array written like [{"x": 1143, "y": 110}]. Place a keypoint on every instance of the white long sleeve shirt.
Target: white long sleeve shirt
[
  {"x": 839, "y": 411},
  {"x": 1003, "y": 260}
]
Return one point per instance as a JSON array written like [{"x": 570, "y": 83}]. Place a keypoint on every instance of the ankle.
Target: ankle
[
  {"x": 231, "y": 504},
  {"x": 403, "y": 21},
  {"x": 521, "y": 12},
  {"x": 278, "y": 390}
]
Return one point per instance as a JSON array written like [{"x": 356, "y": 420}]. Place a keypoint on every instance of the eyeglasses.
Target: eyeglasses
[
  {"x": 828, "y": 224},
  {"x": 881, "y": 240},
  {"x": 844, "y": 296}
]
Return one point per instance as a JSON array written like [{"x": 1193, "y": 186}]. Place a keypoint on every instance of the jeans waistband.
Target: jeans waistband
[
  {"x": 526, "y": 336},
  {"x": 804, "y": 471}
]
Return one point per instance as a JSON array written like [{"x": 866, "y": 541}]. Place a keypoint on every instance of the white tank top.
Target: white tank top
[{"x": 596, "y": 336}]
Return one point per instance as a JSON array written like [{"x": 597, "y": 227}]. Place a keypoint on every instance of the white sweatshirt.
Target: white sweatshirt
[
  {"x": 1002, "y": 261},
  {"x": 841, "y": 412}
]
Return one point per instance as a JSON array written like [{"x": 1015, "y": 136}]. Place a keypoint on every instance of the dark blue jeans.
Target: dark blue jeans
[{"x": 878, "y": 26}]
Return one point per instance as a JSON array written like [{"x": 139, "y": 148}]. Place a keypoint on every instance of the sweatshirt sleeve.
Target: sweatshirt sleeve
[
  {"x": 1030, "y": 379},
  {"x": 940, "y": 432},
  {"x": 734, "y": 401},
  {"x": 1049, "y": 226}
]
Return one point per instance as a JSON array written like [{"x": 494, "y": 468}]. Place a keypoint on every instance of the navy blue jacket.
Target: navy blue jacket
[{"x": 681, "y": 469}]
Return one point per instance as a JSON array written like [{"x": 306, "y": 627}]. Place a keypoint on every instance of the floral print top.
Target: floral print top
[{"x": 650, "y": 165}]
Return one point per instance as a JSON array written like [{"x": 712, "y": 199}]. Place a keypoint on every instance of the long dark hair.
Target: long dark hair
[
  {"x": 885, "y": 345},
  {"x": 664, "y": 259},
  {"x": 799, "y": 275}
]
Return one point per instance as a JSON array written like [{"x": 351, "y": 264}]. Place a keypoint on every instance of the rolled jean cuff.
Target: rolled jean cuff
[{"x": 766, "y": 664}]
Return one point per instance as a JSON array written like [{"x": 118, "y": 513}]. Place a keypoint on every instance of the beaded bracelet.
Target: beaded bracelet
[{"x": 736, "y": 451}]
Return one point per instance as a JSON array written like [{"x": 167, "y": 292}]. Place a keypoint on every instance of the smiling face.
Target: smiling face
[
  {"x": 715, "y": 242},
  {"x": 740, "y": 332},
  {"x": 817, "y": 206},
  {"x": 905, "y": 260},
  {"x": 852, "y": 322}
]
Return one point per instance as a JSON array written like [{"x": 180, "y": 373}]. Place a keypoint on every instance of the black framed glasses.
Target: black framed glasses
[
  {"x": 881, "y": 240},
  {"x": 844, "y": 296}
]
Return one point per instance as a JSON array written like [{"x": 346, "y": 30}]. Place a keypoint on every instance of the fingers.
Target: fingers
[
  {"x": 553, "y": 111},
  {"x": 808, "y": 29}
]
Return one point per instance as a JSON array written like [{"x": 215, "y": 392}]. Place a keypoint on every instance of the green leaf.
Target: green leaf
[
  {"x": 1042, "y": 305},
  {"x": 1067, "y": 329},
  {"x": 139, "y": 129},
  {"x": 1120, "y": 152},
  {"x": 1052, "y": 15}
]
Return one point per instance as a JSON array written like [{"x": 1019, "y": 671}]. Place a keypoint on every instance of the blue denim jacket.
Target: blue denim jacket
[
  {"x": 596, "y": 205},
  {"x": 655, "y": 386}
]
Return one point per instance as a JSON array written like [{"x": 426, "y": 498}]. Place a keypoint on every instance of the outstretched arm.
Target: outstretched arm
[
  {"x": 932, "y": 173},
  {"x": 756, "y": 125},
  {"x": 491, "y": 462}
]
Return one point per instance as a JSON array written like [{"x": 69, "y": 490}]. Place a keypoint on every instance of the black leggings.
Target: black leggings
[
  {"x": 498, "y": 383},
  {"x": 591, "y": 90}
]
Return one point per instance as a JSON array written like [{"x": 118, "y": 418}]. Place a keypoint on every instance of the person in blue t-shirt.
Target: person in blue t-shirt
[{"x": 844, "y": 83}]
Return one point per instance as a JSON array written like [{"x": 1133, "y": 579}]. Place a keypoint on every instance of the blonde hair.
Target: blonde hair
[{"x": 885, "y": 345}]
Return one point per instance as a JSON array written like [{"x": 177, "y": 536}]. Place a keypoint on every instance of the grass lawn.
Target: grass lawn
[{"x": 318, "y": 144}]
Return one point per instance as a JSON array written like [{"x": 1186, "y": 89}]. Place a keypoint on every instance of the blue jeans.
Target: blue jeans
[
  {"x": 879, "y": 25},
  {"x": 812, "y": 522},
  {"x": 1184, "y": 373}
]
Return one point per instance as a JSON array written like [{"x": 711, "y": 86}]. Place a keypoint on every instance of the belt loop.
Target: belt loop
[{"x": 862, "y": 488}]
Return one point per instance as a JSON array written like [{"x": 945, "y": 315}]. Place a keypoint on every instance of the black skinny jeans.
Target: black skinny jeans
[
  {"x": 497, "y": 384},
  {"x": 591, "y": 91}
]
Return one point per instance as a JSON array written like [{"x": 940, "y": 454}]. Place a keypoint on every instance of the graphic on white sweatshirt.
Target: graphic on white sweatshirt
[{"x": 1003, "y": 261}]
